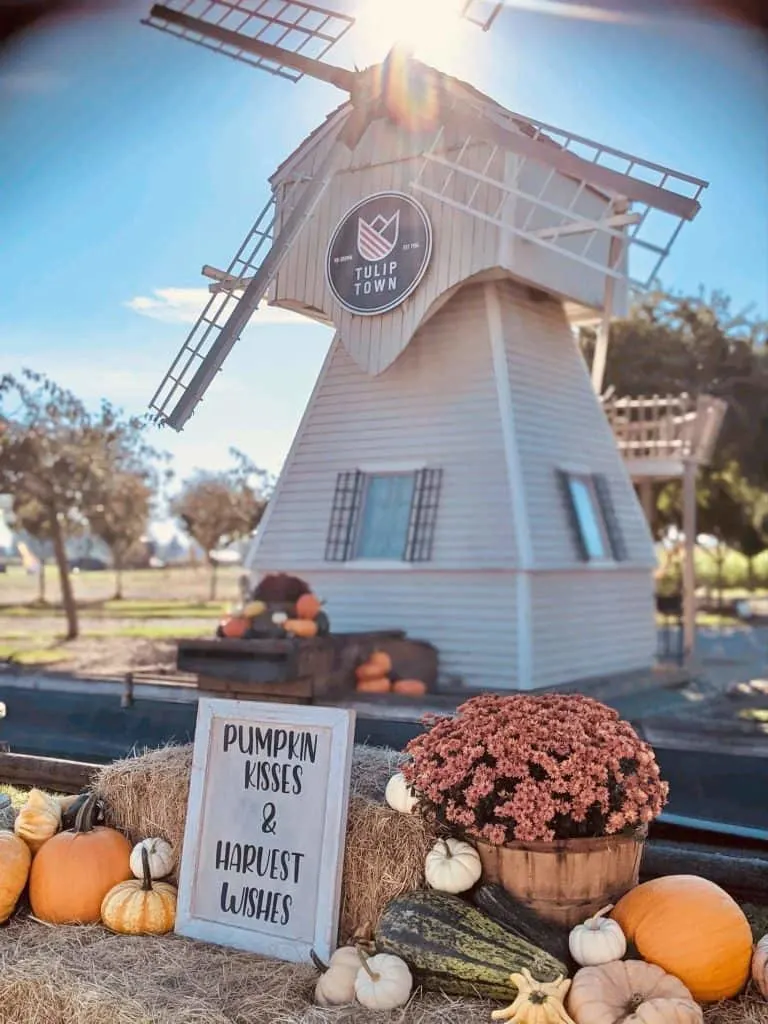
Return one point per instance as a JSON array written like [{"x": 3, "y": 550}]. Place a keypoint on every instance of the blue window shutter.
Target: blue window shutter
[{"x": 423, "y": 519}]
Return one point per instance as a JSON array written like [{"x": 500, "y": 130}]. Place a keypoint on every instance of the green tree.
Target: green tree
[
  {"x": 216, "y": 509},
  {"x": 56, "y": 456},
  {"x": 120, "y": 517}
]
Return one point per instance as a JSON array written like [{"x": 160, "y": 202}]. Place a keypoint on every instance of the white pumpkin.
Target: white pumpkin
[
  {"x": 599, "y": 940},
  {"x": 452, "y": 866},
  {"x": 399, "y": 794},
  {"x": 336, "y": 984},
  {"x": 161, "y": 860},
  {"x": 383, "y": 982}
]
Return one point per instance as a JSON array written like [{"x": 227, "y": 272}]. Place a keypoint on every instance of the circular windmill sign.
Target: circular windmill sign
[{"x": 378, "y": 253}]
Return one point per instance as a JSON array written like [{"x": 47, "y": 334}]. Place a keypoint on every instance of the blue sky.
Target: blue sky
[{"x": 130, "y": 159}]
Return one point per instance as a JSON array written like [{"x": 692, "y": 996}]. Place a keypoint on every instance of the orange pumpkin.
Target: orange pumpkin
[
  {"x": 383, "y": 660},
  {"x": 410, "y": 687},
  {"x": 308, "y": 607},
  {"x": 73, "y": 872},
  {"x": 300, "y": 627},
  {"x": 234, "y": 627},
  {"x": 368, "y": 671},
  {"x": 692, "y": 929},
  {"x": 380, "y": 685}
]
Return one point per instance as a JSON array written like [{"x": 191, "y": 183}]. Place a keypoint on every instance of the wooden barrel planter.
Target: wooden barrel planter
[{"x": 568, "y": 880}]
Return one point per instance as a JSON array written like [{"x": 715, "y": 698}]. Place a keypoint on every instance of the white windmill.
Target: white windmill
[{"x": 454, "y": 473}]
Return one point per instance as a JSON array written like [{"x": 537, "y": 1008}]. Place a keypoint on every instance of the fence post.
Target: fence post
[{"x": 126, "y": 701}]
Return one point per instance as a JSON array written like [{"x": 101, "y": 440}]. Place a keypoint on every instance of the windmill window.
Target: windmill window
[
  {"x": 595, "y": 525},
  {"x": 384, "y": 517},
  {"x": 386, "y": 511}
]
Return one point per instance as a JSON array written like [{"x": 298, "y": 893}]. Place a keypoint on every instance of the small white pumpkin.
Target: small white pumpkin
[
  {"x": 160, "y": 853},
  {"x": 452, "y": 866},
  {"x": 279, "y": 618},
  {"x": 399, "y": 794},
  {"x": 336, "y": 984},
  {"x": 383, "y": 982},
  {"x": 598, "y": 940}
]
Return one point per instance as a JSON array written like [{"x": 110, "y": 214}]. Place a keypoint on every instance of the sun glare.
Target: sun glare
[{"x": 432, "y": 29}]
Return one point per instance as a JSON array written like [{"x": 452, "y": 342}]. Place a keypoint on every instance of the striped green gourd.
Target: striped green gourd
[{"x": 452, "y": 947}]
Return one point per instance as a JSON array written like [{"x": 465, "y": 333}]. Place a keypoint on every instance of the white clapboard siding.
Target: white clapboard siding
[
  {"x": 585, "y": 627},
  {"x": 560, "y": 425},
  {"x": 436, "y": 406},
  {"x": 462, "y": 247},
  {"x": 464, "y": 244}
]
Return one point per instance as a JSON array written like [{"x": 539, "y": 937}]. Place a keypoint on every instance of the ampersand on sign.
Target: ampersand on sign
[{"x": 268, "y": 823}]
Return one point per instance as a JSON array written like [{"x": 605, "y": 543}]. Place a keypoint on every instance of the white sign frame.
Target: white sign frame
[{"x": 341, "y": 723}]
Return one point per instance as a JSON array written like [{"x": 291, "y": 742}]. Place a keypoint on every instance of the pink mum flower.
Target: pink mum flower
[{"x": 527, "y": 768}]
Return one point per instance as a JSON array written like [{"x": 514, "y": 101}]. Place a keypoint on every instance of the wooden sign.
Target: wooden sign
[{"x": 266, "y": 820}]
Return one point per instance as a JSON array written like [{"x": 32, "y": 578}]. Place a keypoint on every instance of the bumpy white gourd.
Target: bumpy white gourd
[
  {"x": 452, "y": 866},
  {"x": 399, "y": 794},
  {"x": 160, "y": 853},
  {"x": 599, "y": 940},
  {"x": 383, "y": 982}
]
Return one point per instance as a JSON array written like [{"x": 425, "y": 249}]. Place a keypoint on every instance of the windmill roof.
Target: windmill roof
[{"x": 451, "y": 83}]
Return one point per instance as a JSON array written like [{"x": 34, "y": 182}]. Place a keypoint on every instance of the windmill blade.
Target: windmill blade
[
  {"x": 284, "y": 28},
  {"x": 467, "y": 167},
  {"x": 212, "y": 338},
  {"x": 481, "y": 12}
]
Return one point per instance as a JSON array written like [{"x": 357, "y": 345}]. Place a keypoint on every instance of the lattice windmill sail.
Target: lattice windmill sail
[{"x": 451, "y": 243}]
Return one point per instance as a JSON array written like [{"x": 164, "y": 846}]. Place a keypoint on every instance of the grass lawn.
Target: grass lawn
[
  {"x": 163, "y": 588},
  {"x": 159, "y": 606}
]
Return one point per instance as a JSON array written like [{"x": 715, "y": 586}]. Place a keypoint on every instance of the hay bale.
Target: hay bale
[
  {"x": 85, "y": 975},
  {"x": 147, "y": 796},
  {"x": 750, "y": 1009},
  {"x": 383, "y": 858}
]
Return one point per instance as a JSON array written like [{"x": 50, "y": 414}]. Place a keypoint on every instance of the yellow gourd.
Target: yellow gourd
[
  {"x": 38, "y": 819},
  {"x": 300, "y": 627},
  {"x": 253, "y": 609},
  {"x": 538, "y": 1002}
]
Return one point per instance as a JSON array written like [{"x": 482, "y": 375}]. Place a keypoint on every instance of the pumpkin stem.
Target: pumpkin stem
[
  {"x": 594, "y": 921},
  {"x": 448, "y": 853},
  {"x": 146, "y": 885},
  {"x": 317, "y": 962},
  {"x": 373, "y": 975},
  {"x": 85, "y": 819}
]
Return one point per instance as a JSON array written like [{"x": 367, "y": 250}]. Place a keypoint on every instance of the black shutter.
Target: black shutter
[
  {"x": 573, "y": 519},
  {"x": 421, "y": 526},
  {"x": 344, "y": 514},
  {"x": 611, "y": 520}
]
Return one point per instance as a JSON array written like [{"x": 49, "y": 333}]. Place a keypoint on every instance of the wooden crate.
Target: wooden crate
[{"x": 299, "y": 671}]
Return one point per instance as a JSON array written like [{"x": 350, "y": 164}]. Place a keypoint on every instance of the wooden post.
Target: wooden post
[
  {"x": 689, "y": 566},
  {"x": 46, "y": 772},
  {"x": 601, "y": 345},
  {"x": 126, "y": 700},
  {"x": 646, "y": 499}
]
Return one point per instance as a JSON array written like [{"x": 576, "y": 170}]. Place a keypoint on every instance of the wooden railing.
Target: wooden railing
[{"x": 666, "y": 426}]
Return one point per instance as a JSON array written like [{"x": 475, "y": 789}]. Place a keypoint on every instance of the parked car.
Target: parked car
[{"x": 87, "y": 564}]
